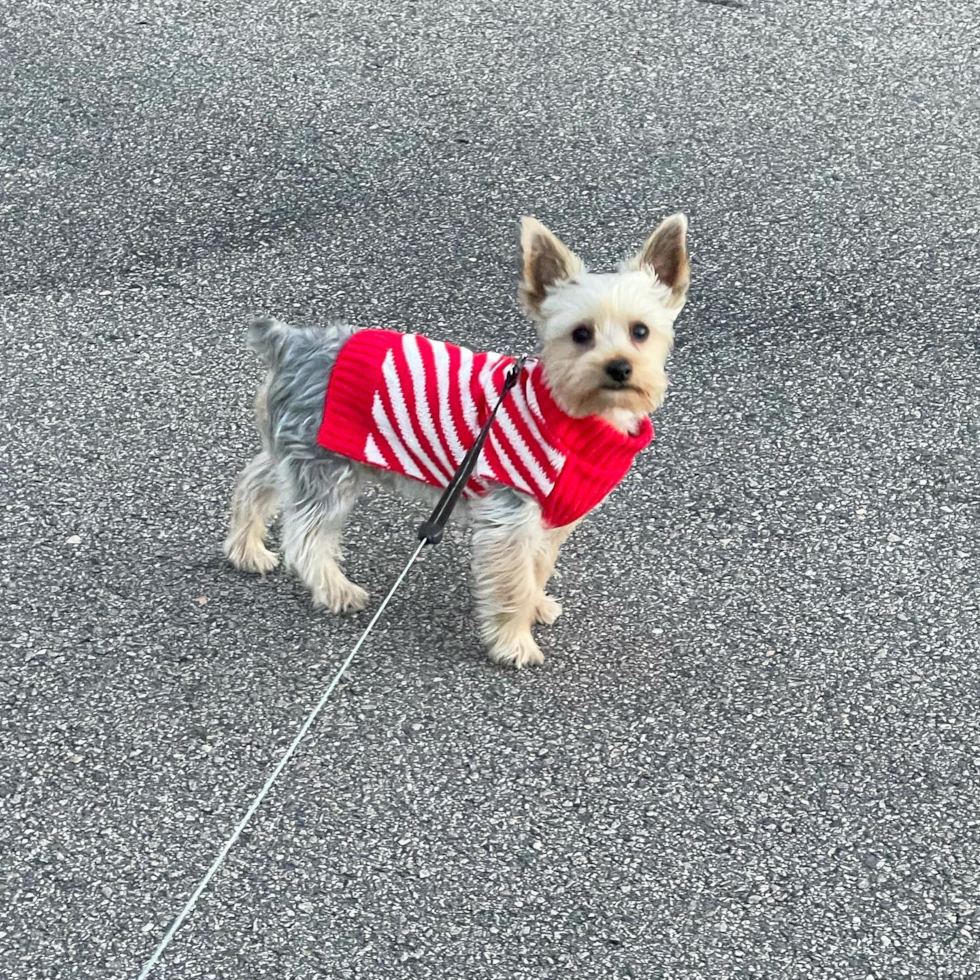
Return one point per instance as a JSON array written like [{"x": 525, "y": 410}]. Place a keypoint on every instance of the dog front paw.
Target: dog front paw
[
  {"x": 341, "y": 597},
  {"x": 516, "y": 651},
  {"x": 548, "y": 610}
]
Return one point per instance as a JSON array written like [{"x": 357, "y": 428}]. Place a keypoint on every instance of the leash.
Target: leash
[{"x": 429, "y": 533}]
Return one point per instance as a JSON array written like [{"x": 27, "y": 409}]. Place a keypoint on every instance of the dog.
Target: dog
[{"x": 340, "y": 407}]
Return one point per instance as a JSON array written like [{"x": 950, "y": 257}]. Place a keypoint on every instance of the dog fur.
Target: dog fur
[{"x": 588, "y": 325}]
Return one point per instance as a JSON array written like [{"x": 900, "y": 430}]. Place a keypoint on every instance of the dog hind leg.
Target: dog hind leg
[
  {"x": 254, "y": 504},
  {"x": 318, "y": 496}
]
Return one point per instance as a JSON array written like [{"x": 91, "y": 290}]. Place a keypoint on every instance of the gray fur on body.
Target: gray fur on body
[
  {"x": 299, "y": 360},
  {"x": 289, "y": 411}
]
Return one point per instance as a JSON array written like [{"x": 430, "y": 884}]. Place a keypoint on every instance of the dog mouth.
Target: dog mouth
[{"x": 620, "y": 386}]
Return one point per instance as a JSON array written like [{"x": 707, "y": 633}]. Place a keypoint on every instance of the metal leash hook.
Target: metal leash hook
[{"x": 430, "y": 532}]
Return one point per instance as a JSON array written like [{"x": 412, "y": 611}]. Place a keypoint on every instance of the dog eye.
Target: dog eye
[
  {"x": 640, "y": 331},
  {"x": 582, "y": 334}
]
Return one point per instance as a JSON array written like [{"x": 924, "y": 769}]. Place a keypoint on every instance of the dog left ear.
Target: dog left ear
[{"x": 665, "y": 254}]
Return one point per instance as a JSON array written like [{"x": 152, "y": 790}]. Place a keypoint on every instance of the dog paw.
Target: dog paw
[
  {"x": 548, "y": 610},
  {"x": 517, "y": 651},
  {"x": 341, "y": 597},
  {"x": 249, "y": 555}
]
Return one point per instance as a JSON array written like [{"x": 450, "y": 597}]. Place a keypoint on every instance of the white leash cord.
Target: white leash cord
[{"x": 287, "y": 755}]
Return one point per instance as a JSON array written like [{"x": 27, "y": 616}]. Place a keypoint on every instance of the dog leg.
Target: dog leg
[
  {"x": 254, "y": 503},
  {"x": 548, "y": 609},
  {"x": 319, "y": 494},
  {"x": 506, "y": 541}
]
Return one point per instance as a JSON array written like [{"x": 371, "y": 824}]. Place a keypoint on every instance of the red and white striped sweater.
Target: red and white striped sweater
[{"x": 414, "y": 406}]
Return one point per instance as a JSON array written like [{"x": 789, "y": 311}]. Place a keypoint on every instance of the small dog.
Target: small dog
[{"x": 339, "y": 407}]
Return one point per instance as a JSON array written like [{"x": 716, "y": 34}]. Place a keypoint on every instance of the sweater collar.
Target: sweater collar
[{"x": 591, "y": 438}]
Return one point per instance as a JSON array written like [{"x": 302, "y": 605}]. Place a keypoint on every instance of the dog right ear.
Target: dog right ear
[{"x": 547, "y": 262}]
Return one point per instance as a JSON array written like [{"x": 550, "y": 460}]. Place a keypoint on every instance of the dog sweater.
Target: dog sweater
[{"x": 414, "y": 406}]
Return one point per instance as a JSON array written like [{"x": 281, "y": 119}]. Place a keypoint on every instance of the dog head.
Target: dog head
[{"x": 605, "y": 337}]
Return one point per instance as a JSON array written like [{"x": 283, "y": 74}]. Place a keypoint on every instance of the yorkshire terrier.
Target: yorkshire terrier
[{"x": 340, "y": 406}]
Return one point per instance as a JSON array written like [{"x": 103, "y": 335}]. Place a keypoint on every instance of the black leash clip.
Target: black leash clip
[{"x": 431, "y": 531}]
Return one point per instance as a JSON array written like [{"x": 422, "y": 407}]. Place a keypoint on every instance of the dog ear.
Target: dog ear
[
  {"x": 547, "y": 261},
  {"x": 665, "y": 254}
]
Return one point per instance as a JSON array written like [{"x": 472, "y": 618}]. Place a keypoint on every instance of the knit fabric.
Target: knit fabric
[{"x": 414, "y": 406}]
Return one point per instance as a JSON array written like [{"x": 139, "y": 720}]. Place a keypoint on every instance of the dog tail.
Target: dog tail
[
  {"x": 275, "y": 342},
  {"x": 268, "y": 338}
]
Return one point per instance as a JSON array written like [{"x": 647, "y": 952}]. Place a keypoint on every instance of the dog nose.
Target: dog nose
[{"x": 619, "y": 370}]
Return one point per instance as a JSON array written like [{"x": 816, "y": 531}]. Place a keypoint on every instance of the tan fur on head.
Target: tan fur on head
[{"x": 606, "y": 337}]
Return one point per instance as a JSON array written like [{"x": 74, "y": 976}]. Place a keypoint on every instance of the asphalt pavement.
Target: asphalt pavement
[{"x": 753, "y": 750}]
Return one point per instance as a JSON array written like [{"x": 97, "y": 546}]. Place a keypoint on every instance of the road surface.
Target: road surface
[{"x": 753, "y": 750}]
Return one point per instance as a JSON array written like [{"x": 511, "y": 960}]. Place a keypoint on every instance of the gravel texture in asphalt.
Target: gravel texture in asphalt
[{"x": 753, "y": 750}]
